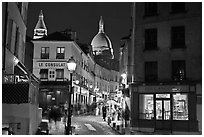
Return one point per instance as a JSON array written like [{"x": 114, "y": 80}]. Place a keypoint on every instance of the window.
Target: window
[
  {"x": 146, "y": 108},
  {"x": 180, "y": 106},
  {"x": 44, "y": 73},
  {"x": 60, "y": 53},
  {"x": 178, "y": 7},
  {"x": 150, "y": 39},
  {"x": 60, "y": 73},
  {"x": 150, "y": 8},
  {"x": 52, "y": 74},
  {"x": 178, "y": 37},
  {"x": 45, "y": 53},
  {"x": 178, "y": 70},
  {"x": 150, "y": 71}
]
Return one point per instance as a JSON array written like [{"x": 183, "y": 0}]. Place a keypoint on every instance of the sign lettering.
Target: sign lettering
[{"x": 51, "y": 64}]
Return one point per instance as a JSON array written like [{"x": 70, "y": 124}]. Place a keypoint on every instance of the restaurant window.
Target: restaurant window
[
  {"x": 52, "y": 74},
  {"x": 178, "y": 70},
  {"x": 150, "y": 71},
  {"x": 178, "y": 37},
  {"x": 60, "y": 73},
  {"x": 178, "y": 7},
  {"x": 146, "y": 107},
  {"x": 180, "y": 106},
  {"x": 44, "y": 73},
  {"x": 60, "y": 53},
  {"x": 150, "y": 39},
  {"x": 150, "y": 8},
  {"x": 45, "y": 53}
]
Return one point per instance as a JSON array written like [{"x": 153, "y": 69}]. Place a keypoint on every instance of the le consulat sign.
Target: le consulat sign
[{"x": 51, "y": 64}]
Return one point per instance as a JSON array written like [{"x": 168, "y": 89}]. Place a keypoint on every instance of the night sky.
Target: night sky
[{"x": 83, "y": 17}]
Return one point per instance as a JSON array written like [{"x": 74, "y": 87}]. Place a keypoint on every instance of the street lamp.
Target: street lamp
[{"x": 71, "y": 65}]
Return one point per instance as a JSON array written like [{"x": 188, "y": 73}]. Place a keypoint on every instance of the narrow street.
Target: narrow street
[{"x": 84, "y": 125}]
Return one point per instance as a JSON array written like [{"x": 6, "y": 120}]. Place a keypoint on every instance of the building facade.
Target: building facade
[
  {"x": 20, "y": 112},
  {"x": 166, "y": 92},
  {"x": 51, "y": 54},
  {"x": 93, "y": 79}
]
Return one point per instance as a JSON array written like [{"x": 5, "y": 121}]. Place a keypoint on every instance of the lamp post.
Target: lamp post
[{"x": 71, "y": 65}]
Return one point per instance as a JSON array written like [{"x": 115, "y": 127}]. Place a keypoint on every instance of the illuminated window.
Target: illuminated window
[
  {"x": 60, "y": 73},
  {"x": 60, "y": 53},
  {"x": 45, "y": 53},
  {"x": 44, "y": 73},
  {"x": 146, "y": 107},
  {"x": 180, "y": 106},
  {"x": 178, "y": 70}
]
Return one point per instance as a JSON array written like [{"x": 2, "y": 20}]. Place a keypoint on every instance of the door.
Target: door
[{"x": 163, "y": 114}]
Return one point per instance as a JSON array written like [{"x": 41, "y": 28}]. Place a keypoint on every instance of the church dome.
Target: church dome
[{"x": 101, "y": 41}]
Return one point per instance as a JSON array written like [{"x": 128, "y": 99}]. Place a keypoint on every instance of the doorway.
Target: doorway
[{"x": 163, "y": 112}]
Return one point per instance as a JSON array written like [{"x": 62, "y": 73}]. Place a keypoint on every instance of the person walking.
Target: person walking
[{"x": 104, "y": 112}]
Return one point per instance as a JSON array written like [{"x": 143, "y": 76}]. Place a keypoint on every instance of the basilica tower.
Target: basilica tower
[{"x": 40, "y": 28}]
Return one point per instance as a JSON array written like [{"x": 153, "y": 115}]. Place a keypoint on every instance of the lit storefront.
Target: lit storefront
[{"x": 165, "y": 107}]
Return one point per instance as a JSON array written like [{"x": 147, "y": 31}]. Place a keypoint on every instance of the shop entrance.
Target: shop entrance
[{"x": 163, "y": 112}]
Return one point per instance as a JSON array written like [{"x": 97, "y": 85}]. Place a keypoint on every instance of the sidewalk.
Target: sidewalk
[{"x": 133, "y": 131}]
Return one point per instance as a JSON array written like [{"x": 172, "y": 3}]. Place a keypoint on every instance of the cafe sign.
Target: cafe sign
[{"x": 51, "y": 64}]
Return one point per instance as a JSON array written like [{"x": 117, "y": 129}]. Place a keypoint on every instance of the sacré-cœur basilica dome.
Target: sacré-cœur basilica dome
[{"x": 101, "y": 44}]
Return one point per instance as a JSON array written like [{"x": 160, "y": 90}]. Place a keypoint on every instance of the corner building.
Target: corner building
[
  {"x": 20, "y": 108},
  {"x": 166, "y": 92}
]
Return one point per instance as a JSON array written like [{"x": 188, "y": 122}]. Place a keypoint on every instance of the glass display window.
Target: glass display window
[
  {"x": 180, "y": 106},
  {"x": 146, "y": 106}
]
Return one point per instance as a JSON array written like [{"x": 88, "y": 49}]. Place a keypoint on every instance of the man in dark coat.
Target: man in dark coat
[{"x": 104, "y": 112}]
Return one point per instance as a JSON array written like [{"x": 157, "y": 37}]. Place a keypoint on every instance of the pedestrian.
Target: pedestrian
[{"x": 104, "y": 112}]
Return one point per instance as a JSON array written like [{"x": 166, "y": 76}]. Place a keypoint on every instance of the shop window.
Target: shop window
[
  {"x": 60, "y": 53},
  {"x": 146, "y": 107},
  {"x": 178, "y": 70},
  {"x": 150, "y": 8},
  {"x": 150, "y": 39},
  {"x": 178, "y": 37},
  {"x": 44, "y": 73},
  {"x": 180, "y": 106},
  {"x": 178, "y": 7},
  {"x": 150, "y": 71},
  {"x": 60, "y": 73},
  {"x": 45, "y": 53}
]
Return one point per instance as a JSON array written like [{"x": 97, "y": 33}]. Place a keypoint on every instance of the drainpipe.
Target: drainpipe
[{"x": 5, "y": 34}]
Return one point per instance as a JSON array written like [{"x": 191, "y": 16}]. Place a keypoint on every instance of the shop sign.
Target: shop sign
[
  {"x": 164, "y": 88},
  {"x": 51, "y": 64},
  {"x": 8, "y": 79}
]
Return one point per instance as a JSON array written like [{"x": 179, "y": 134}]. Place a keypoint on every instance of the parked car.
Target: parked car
[{"x": 43, "y": 128}]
